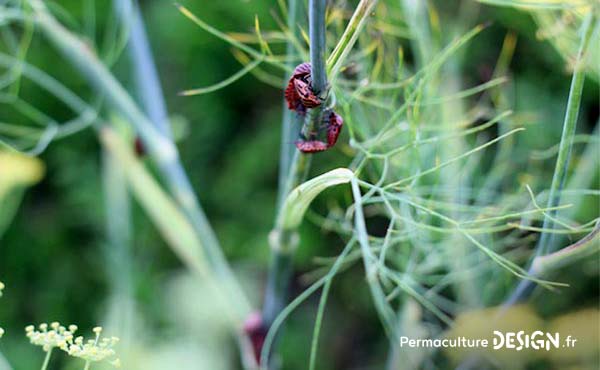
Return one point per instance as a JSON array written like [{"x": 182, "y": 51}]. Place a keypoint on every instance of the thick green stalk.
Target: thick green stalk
[
  {"x": 283, "y": 244},
  {"x": 318, "y": 48},
  {"x": 142, "y": 66},
  {"x": 284, "y": 241},
  {"x": 316, "y": 32},
  {"x": 545, "y": 243},
  {"x": 279, "y": 276},
  {"x": 161, "y": 148},
  {"x": 291, "y": 122}
]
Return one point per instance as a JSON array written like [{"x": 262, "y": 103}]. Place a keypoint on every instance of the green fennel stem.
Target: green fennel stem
[
  {"x": 566, "y": 142},
  {"x": 546, "y": 241},
  {"x": 283, "y": 242},
  {"x": 291, "y": 122},
  {"x": 47, "y": 359}
]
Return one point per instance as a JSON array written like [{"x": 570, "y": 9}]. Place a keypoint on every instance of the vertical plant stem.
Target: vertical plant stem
[
  {"x": 143, "y": 68},
  {"x": 546, "y": 242},
  {"x": 282, "y": 247},
  {"x": 149, "y": 93},
  {"x": 291, "y": 122},
  {"x": 118, "y": 216},
  {"x": 87, "y": 365},
  {"x": 4, "y": 365},
  {"x": 47, "y": 359},
  {"x": 417, "y": 17},
  {"x": 283, "y": 242},
  {"x": 584, "y": 174},
  {"x": 280, "y": 271},
  {"x": 118, "y": 247},
  {"x": 566, "y": 142},
  {"x": 318, "y": 47},
  {"x": 316, "y": 32}
]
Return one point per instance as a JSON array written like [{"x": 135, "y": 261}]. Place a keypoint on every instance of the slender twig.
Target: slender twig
[{"x": 546, "y": 241}]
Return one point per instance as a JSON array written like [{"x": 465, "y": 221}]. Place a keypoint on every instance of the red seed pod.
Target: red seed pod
[
  {"x": 298, "y": 93},
  {"x": 311, "y": 146},
  {"x": 334, "y": 127}
]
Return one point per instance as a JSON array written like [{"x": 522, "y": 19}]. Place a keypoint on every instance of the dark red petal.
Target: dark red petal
[{"x": 311, "y": 146}]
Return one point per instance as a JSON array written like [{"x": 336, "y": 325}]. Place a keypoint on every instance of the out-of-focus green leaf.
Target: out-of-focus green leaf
[{"x": 18, "y": 170}]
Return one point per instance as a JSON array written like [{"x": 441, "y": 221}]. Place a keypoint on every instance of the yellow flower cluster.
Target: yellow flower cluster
[
  {"x": 94, "y": 350},
  {"x": 56, "y": 336}
]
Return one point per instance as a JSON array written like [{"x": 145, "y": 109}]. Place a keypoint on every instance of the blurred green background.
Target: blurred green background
[{"x": 51, "y": 255}]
